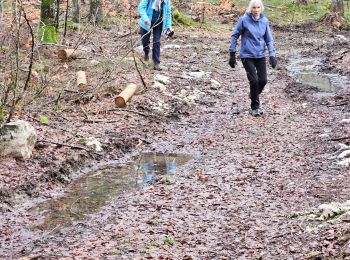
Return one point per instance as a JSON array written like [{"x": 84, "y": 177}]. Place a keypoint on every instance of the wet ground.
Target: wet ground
[{"x": 186, "y": 172}]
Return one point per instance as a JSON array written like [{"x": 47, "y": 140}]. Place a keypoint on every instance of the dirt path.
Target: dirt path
[{"x": 235, "y": 199}]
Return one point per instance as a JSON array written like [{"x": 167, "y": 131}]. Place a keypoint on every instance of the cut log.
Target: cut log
[
  {"x": 68, "y": 54},
  {"x": 81, "y": 80},
  {"x": 125, "y": 95}
]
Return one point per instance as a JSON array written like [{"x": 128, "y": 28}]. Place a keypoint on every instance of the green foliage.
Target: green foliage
[
  {"x": 286, "y": 12},
  {"x": 156, "y": 222},
  {"x": 168, "y": 180},
  {"x": 44, "y": 120},
  {"x": 4, "y": 48},
  {"x": 58, "y": 106},
  {"x": 169, "y": 241}
]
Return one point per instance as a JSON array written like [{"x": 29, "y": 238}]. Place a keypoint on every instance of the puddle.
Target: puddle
[
  {"x": 91, "y": 192},
  {"x": 306, "y": 71}
]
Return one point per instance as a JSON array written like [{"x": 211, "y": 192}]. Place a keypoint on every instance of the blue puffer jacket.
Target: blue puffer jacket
[
  {"x": 255, "y": 34},
  {"x": 146, "y": 11}
]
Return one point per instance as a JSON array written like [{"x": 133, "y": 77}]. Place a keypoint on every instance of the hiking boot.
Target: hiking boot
[
  {"x": 256, "y": 112},
  {"x": 146, "y": 57},
  {"x": 157, "y": 67}
]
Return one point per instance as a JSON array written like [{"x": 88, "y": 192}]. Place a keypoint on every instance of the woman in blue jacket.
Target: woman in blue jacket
[
  {"x": 156, "y": 16},
  {"x": 255, "y": 33}
]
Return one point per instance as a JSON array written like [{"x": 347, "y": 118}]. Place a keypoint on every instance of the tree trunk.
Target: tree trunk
[
  {"x": 1, "y": 4},
  {"x": 76, "y": 11},
  {"x": 338, "y": 7},
  {"x": 95, "y": 14},
  {"x": 47, "y": 30}
]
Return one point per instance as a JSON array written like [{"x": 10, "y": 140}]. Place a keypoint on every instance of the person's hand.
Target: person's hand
[
  {"x": 273, "y": 62},
  {"x": 148, "y": 22},
  {"x": 232, "y": 60}
]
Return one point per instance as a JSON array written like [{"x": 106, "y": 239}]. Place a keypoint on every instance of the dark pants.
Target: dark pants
[
  {"x": 256, "y": 73},
  {"x": 145, "y": 38}
]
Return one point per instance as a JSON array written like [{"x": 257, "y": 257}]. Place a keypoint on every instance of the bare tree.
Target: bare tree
[
  {"x": 338, "y": 7},
  {"x": 95, "y": 13},
  {"x": 76, "y": 11}
]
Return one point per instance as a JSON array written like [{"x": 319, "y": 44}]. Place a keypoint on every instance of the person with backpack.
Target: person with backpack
[
  {"x": 156, "y": 17},
  {"x": 253, "y": 27}
]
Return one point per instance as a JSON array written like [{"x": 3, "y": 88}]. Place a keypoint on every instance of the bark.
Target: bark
[
  {"x": 76, "y": 11},
  {"x": 338, "y": 7},
  {"x": 1, "y": 6},
  {"x": 95, "y": 14}
]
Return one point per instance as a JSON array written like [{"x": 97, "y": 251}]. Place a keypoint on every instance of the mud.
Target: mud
[{"x": 233, "y": 201}]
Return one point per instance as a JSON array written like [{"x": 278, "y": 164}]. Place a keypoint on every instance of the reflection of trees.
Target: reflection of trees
[
  {"x": 88, "y": 195},
  {"x": 92, "y": 192}
]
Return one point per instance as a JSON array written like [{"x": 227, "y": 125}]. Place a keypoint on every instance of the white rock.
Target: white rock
[
  {"x": 342, "y": 146},
  {"x": 215, "y": 84},
  {"x": 160, "y": 86},
  {"x": 345, "y": 162},
  {"x": 324, "y": 136},
  {"x": 162, "y": 79},
  {"x": 94, "y": 62},
  {"x": 341, "y": 37},
  {"x": 197, "y": 74},
  {"x": 345, "y": 121},
  {"x": 344, "y": 154},
  {"x": 17, "y": 139},
  {"x": 172, "y": 46},
  {"x": 94, "y": 143}
]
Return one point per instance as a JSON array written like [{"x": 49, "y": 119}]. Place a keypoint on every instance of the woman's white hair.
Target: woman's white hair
[{"x": 250, "y": 6}]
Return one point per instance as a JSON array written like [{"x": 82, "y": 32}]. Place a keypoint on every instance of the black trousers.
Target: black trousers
[{"x": 257, "y": 76}]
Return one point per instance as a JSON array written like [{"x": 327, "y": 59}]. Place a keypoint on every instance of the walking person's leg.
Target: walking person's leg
[
  {"x": 262, "y": 74},
  {"x": 157, "y": 33},
  {"x": 249, "y": 66},
  {"x": 145, "y": 39}
]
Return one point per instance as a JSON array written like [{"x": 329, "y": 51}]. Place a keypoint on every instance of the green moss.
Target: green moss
[
  {"x": 182, "y": 18},
  {"x": 47, "y": 34},
  {"x": 3, "y": 114}
]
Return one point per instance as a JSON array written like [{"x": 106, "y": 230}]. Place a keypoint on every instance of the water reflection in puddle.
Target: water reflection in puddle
[
  {"x": 89, "y": 193},
  {"x": 305, "y": 70}
]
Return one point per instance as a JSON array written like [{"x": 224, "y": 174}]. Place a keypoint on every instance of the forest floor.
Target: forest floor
[{"x": 247, "y": 188}]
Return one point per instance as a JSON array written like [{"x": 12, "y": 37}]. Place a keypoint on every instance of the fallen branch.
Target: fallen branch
[
  {"x": 338, "y": 105},
  {"x": 65, "y": 145},
  {"x": 340, "y": 138}
]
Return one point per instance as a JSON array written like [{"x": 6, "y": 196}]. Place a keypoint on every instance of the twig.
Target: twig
[
  {"x": 68, "y": 145},
  {"x": 340, "y": 138},
  {"x": 338, "y": 105},
  {"x": 133, "y": 53},
  {"x": 100, "y": 121}
]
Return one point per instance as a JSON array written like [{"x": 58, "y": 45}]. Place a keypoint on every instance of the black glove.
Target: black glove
[
  {"x": 169, "y": 33},
  {"x": 273, "y": 62},
  {"x": 232, "y": 60}
]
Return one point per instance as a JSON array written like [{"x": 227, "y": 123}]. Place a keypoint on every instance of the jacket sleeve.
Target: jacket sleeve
[
  {"x": 142, "y": 8},
  {"x": 168, "y": 16},
  {"x": 237, "y": 31},
  {"x": 269, "y": 41}
]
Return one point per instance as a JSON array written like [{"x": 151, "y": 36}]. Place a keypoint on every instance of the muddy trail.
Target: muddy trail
[{"x": 188, "y": 173}]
